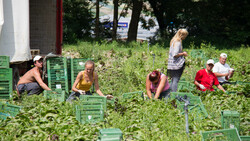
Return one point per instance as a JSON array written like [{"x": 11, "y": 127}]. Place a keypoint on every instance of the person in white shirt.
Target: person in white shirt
[{"x": 222, "y": 70}]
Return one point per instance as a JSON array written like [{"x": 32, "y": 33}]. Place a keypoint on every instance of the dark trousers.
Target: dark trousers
[
  {"x": 74, "y": 95},
  {"x": 30, "y": 88}
]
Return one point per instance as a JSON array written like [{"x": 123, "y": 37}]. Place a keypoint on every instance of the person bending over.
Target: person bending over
[
  {"x": 157, "y": 83},
  {"x": 84, "y": 81},
  {"x": 31, "y": 81},
  {"x": 205, "y": 78}
]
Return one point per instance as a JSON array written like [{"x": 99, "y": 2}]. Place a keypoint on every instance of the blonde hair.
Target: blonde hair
[
  {"x": 89, "y": 62},
  {"x": 180, "y": 33}
]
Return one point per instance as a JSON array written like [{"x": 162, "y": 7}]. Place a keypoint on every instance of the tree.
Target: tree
[
  {"x": 77, "y": 18},
  {"x": 133, "y": 26},
  {"x": 115, "y": 19}
]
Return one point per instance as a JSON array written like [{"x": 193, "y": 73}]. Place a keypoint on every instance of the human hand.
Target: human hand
[
  {"x": 202, "y": 86},
  {"x": 81, "y": 92},
  {"x": 109, "y": 96},
  {"x": 185, "y": 53}
]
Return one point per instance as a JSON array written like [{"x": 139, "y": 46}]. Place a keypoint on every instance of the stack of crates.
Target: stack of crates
[
  {"x": 133, "y": 94},
  {"x": 89, "y": 112},
  {"x": 57, "y": 73},
  {"x": 5, "y": 78},
  {"x": 110, "y": 134},
  {"x": 77, "y": 65},
  {"x": 221, "y": 135},
  {"x": 230, "y": 119},
  {"x": 99, "y": 99},
  {"x": 196, "y": 107},
  {"x": 7, "y": 110},
  {"x": 57, "y": 94}
]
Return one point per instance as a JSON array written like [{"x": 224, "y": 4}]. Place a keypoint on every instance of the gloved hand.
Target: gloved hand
[
  {"x": 81, "y": 92},
  {"x": 202, "y": 86},
  {"x": 109, "y": 96}
]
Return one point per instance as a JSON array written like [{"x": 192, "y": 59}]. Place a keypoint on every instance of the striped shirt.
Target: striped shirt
[{"x": 175, "y": 63}]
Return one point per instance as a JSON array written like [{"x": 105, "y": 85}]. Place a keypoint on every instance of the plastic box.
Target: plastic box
[
  {"x": 132, "y": 94},
  {"x": 58, "y": 94},
  {"x": 230, "y": 119},
  {"x": 4, "y": 61},
  {"x": 8, "y": 110},
  {"x": 6, "y": 89},
  {"x": 110, "y": 134},
  {"x": 89, "y": 113},
  {"x": 221, "y": 135},
  {"x": 90, "y": 98},
  {"x": 245, "y": 138},
  {"x": 57, "y": 73}
]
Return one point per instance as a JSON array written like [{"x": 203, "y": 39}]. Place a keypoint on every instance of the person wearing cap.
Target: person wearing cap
[
  {"x": 31, "y": 81},
  {"x": 84, "y": 80},
  {"x": 205, "y": 78},
  {"x": 222, "y": 70}
]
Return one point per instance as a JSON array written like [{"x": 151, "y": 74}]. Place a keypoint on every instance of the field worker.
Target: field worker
[
  {"x": 84, "y": 81},
  {"x": 222, "y": 70},
  {"x": 31, "y": 81},
  {"x": 157, "y": 83},
  {"x": 176, "y": 60},
  {"x": 205, "y": 78}
]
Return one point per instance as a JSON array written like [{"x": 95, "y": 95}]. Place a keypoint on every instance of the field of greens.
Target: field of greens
[{"x": 123, "y": 68}]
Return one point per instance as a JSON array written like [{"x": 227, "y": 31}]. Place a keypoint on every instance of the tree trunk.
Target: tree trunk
[
  {"x": 97, "y": 19},
  {"x": 115, "y": 19},
  {"x": 133, "y": 26},
  {"x": 158, "y": 12}
]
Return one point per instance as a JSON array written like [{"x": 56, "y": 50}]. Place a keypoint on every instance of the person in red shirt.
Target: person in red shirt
[{"x": 205, "y": 78}]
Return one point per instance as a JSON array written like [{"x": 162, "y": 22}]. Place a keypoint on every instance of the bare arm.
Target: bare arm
[
  {"x": 220, "y": 87},
  {"x": 40, "y": 81},
  {"x": 148, "y": 87},
  {"x": 97, "y": 86},
  {"x": 196, "y": 83},
  {"x": 181, "y": 54},
  {"x": 78, "y": 78},
  {"x": 221, "y": 74},
  {"x": 160, "y": 87}
]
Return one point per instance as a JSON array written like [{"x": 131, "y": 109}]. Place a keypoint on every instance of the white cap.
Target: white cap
[
  {"x": 36, "y": 58},
  {"x": 210, "y": 61},
  {"x": 223, "y": 55}
]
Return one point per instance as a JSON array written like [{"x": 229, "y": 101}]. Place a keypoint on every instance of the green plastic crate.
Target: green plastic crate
[
  {"x": 6, "y": 74},
  {"x": 77, "y": 65},
  {"x": 8, "y": 110},
  {"x": 4, "y": 61},
  {"x": 90, "y": 98},
  {"x": 58, "y": 94},
  {"x": 110, "y": 131},
  {"x": 221, "y": 135},
  {"x": 110, "y": 134},
  {"x": 132, "y": 94},
  {"x": 110, "y": 138},
  {"x": 174, "y": 94},
  {"x": 197, "y": 53},
  {"x": 230, "y": 119},
  {"x": 89, "y": 113},
  {"x": 198, "y": 111},
  {"x": 245, "y": 138},
  {"x": 57, "y": 73},
  {"x": 6, "y": 90}
]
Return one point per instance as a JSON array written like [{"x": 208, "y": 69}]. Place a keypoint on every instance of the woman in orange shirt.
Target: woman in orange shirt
[{"x": 84, "y": 81}]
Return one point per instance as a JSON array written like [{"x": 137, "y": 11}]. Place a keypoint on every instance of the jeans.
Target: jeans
[
  {"x": 73, "y": 96},
  {"x": 164, "y": 95},
  {"x": 31, "y": 88},
  {"x": 175, "y": 77}
]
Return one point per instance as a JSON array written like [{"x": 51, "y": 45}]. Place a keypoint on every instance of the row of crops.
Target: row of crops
[{"x": 122, "y": 70}]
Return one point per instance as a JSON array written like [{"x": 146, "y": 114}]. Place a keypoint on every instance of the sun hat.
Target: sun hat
[
  {"x": 36, "y": 58},
  {"x": 210, "y": 61},
  {"x": 223, "y": 55}
]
